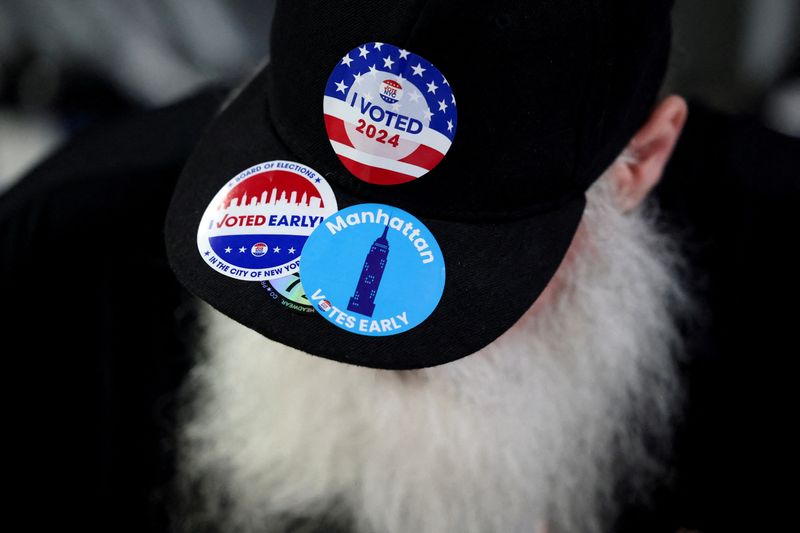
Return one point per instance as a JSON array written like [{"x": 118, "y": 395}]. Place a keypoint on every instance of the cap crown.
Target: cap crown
[{"x": 548, "y": 93}]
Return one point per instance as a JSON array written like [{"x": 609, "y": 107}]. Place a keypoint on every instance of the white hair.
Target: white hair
[{"x": 533, "y": 433}]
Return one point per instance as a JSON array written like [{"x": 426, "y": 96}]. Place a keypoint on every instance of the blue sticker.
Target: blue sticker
[
  {"x": 373, "y": 269},
  {"x": 255, "y": 227}
]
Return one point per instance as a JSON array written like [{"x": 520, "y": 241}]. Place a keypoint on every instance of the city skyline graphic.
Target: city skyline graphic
[
  {"x": 363, "y": 299},
  {"x": 274, "y": 188}
]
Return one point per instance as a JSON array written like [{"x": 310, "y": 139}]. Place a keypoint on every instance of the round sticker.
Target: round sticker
[
  {"x": 255, "y": 227},
  {"x": 288, "y": 291},
  {"x": 390, "y": 114},
  {"x": 373, "y": 269}
]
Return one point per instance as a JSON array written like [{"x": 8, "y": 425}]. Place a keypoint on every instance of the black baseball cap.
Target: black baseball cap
[{"x": 549, "y": 93}]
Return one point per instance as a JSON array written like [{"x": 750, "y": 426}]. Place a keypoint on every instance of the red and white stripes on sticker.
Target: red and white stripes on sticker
[{"x": 429, "y": 149}]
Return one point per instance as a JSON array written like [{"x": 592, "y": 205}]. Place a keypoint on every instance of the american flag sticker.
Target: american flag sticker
[{"x": 390, "y": 114}]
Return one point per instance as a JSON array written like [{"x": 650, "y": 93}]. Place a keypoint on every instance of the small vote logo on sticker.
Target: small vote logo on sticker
[
  {"x": 391, "y": 91},
  {"x": 374, "y": 270},
  {"x": 255, "y": 227},
  {"x": 259, "y": 249},
  {"x": 390, "y": 114}
]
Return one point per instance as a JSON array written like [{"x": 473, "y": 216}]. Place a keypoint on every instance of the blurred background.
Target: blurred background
[{"x": 66, "y": 65}]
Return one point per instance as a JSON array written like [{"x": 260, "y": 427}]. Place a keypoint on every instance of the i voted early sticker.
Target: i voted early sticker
[
  {"x": 255, "y": 227},
  {"x": 390, "y": 114},
  {"x": 373, "y": 269}
]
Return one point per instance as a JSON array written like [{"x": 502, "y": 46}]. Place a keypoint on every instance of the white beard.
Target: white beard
[{"x": 532, "y": 433}]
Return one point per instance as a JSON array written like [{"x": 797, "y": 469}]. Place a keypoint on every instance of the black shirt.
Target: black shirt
[{"x": 98, "y": 333}]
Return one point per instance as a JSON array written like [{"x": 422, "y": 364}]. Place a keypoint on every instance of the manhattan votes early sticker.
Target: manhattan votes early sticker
[
  {"x": 373, "y": 269},
  {"x": 390, "y": 114},
  {"x": 256, "y": 226}
]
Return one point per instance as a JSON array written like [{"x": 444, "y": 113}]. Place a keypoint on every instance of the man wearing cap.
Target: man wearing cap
[
  {"x": 476, "y": 324},
  {"x": 541, "y": 383}
]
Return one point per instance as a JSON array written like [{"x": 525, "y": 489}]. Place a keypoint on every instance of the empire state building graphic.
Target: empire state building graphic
[{"x": 363, "y": 300}]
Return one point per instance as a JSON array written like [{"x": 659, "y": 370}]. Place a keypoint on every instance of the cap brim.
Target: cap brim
[{"x": 495, "y": 270}]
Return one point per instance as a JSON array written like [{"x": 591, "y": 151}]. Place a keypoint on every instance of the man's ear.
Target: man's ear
[{"x": 639, "y": 168}]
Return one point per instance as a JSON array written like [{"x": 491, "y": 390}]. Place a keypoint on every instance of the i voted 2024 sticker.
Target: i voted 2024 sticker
[
  {"x": 390, "y": 114},
  {"x": 255, "y": 227},
  {"x": 373, "y": 269}
]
